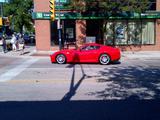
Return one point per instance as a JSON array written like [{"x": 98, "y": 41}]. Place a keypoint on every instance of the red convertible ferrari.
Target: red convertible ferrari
[{"x": 88, "y": 53}]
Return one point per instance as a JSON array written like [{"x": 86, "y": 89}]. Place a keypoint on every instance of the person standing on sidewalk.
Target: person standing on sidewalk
[
  {"x": 13, "y": 42},
  {"x": 4, "y": 44},
  {"x": 21, "y": 44}
]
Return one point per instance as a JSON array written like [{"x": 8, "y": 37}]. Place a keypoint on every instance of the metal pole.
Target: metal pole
[
  {"x": 59, "y": 26},
  {"x": 1, "y": 10}
]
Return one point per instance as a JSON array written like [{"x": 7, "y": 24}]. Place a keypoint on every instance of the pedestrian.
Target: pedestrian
[
  {"x": 17, "y": 40},
  {"x": 13, "y": 42},
  {"x": 4, "y": 44},
  {"x": 21, "y": 44}
]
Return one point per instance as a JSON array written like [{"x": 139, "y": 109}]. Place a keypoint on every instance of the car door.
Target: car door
[{"x": 88, "y": 54}]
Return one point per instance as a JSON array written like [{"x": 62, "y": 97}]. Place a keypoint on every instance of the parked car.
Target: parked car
[
  {"x": 88, "y": 53},
  {"x": 29, "y": 38},
  {"x": 26, "y": 38}
]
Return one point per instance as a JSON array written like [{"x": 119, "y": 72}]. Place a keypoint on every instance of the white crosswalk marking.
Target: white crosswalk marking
[{"x": 17, "y": 70}]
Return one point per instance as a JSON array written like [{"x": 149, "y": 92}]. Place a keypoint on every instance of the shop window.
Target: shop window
[
  {"x": 109, "y": 34},
  {"x": 67, "y": 32},
  {"x": 130, "y": 32},
  {"x": 152, "y": 5},
  {"x": 54, "y": 34},
  {"x": 134, "y": 32},
  {"x": 148, "y": 32},
  {"x": 120, "y": 32}
]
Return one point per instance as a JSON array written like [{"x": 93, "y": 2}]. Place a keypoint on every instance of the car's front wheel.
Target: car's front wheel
[
  {"x": 60, "y": 59},
  {"x": 104, "y": 59}
]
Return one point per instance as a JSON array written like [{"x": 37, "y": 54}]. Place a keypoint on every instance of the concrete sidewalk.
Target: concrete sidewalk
[
  {"x": 141, "y": 54},
  {"x": 29, "y": 51}
]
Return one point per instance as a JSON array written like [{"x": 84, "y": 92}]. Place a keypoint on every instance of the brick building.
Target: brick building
[{"x": 134, "y": 33}]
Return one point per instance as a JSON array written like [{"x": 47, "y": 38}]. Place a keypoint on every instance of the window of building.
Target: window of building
[
  {"x": 152, "y": 5},
  {"x": 134, "y": 32},
  {"x": 148, "y": 32},
  {"x": 109, "y": 33},
  {"x": 130, "y": 32},
  {"x": 54, "y": 34},
  {"x": 120, "y": 30},
  {"x": 67, "y": 32}
]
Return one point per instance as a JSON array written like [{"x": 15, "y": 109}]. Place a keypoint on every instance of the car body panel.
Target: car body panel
[{"x": 88, "y": 53}]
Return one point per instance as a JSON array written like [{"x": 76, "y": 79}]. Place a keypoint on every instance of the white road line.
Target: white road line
[{"x": 17, "y": 70}]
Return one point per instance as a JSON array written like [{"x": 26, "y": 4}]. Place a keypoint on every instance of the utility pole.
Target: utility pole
[
  {"x": 1, "y": 9},
  {"x": 53, "y": 17},
  {"x": 59, "y": 26}
]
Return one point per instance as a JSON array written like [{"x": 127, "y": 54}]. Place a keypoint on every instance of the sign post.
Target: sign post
[{"x": 59, "y": 27}]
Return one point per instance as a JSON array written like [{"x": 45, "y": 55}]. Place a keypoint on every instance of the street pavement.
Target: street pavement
[
  {"x": 31, "y": 87},
  {"x": 40, "y": 80}
]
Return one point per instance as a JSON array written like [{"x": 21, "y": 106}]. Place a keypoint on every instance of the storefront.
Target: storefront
[{"x": 136, "y": 32}]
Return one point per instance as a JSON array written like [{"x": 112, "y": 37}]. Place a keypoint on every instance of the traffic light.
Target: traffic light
[
  {"x": 52, "y": 10},
  {"x": 1, "y": 21}
]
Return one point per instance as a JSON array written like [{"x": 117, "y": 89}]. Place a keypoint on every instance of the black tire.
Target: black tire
[
  {"x": 60, "y": 59},
  {"x": 104, "y": 59}
]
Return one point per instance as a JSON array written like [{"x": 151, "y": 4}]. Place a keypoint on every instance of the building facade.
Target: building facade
[{"x": 130, "y": 33}]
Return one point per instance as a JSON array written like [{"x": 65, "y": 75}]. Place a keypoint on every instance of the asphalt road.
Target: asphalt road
[
  {"x": 38, "y": 78},
  {"x": 33, "y": 88}
]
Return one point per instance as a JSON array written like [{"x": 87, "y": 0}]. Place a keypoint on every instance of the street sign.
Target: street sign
[
  {"x": 71, "y": 15},
  {"x": 62, "y": 1}
]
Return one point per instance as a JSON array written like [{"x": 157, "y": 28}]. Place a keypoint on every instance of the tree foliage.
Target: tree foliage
[
  {"x": 112, "y": 7},
  {"x": 19, "y": 12},
  {"x": 108, "y": 8}
]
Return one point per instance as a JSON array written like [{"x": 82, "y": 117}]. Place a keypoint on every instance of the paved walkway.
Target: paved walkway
[
  {"x": 142, "y": 55},
  {"x": 30, "y": 51}
]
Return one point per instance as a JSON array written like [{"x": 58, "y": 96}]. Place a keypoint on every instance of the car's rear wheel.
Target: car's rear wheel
[
  {"x": 60, "y": 59},
  {"x": 104, "y": 59}
]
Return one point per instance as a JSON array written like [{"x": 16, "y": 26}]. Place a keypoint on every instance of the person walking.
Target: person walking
[
  {"x": 13, "y": 42},
  {"x": 4, "y": 44},
  {"x": 21, "y": 44}
]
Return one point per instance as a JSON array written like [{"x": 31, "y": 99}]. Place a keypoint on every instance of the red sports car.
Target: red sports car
[{"x": 88, "y": 53}]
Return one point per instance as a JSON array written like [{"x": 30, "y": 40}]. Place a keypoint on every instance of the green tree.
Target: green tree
[
  {"x": 19, "y": 12},
  {"x": 108, "y": 8}
]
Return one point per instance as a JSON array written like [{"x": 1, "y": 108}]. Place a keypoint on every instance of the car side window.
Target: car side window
[
  {"x": 97, "y": 47},
  {"x": 84, "y": 48},
  {"x": 90, "y": 47}
]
